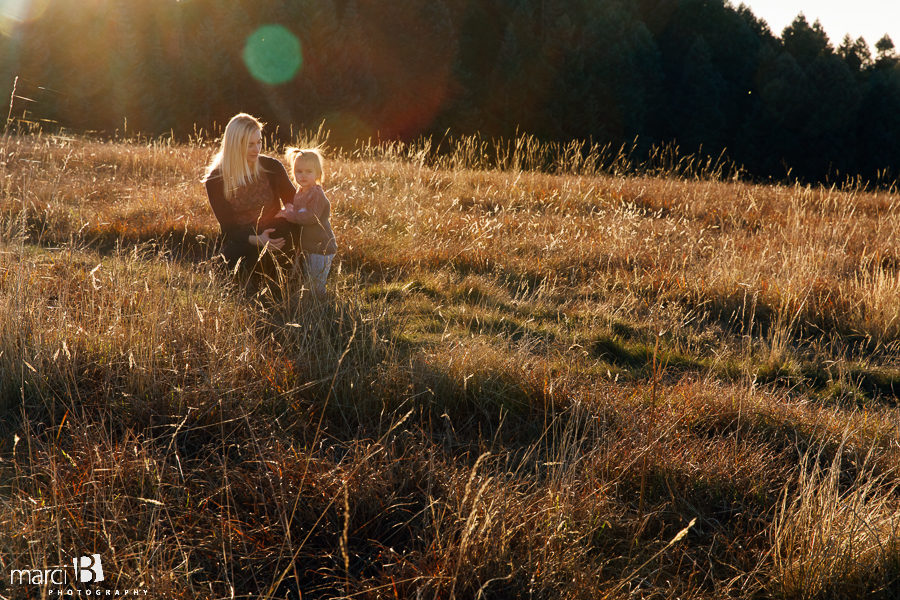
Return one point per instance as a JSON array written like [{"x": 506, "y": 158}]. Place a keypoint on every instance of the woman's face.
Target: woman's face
[{"x": 254, "y": 146}]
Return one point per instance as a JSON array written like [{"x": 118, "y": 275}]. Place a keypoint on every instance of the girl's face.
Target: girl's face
[
  {"x": 305, "y": 173},
  {"x": 254, "y": 147}
]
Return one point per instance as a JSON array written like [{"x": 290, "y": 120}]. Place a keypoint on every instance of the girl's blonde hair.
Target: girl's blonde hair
[
  {"x": 313, "y": 155},
  {"x": 231, "y": 160}
]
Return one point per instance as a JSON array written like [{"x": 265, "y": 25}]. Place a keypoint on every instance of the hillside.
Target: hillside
[{"x": 568, "y": 385}]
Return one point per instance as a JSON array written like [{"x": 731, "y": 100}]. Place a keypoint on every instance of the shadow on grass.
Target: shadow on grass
[
  {"x": 511, "y": 330},
  {"x": 841, "y": 384},
  {"x": 639, "y": 359},
  {"x": 182, "y": 242}
]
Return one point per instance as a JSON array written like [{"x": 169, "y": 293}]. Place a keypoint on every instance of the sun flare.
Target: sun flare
[{"x": 13, "y": 13}]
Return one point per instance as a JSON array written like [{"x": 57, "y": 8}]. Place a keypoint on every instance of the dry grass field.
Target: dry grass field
[{"x": 568, "y": 383}]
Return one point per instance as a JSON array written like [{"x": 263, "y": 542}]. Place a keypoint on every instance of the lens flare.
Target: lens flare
[
  {"x": 272, "y": 54},
  {"x": 16, "y": 12}
]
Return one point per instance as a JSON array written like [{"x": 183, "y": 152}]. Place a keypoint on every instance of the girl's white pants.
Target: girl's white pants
[{"x": 317, "y": 268}]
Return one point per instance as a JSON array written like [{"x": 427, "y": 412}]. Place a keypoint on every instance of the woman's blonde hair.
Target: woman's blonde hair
[
  {"x": 231, "y": 160},
  {"x": 313, "y": 155}
]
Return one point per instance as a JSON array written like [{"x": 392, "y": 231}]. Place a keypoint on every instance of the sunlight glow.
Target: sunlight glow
[
  {"x": 272, "y": 54},
  {"x": 15, "y": 12}
]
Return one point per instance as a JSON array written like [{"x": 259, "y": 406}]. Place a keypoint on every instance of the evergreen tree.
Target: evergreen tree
[
  {"x": 879, "y": 120},
  {"x": 805, "y": 42},
  {"x": 783, "y": 91},
  {"x": 887, "y": 55},
  {"x": 855, "y": 54},
  {"x": 885, "y": 47},
  {"x": 829, "y": 120},
  {"x": 698, "y": 118}
]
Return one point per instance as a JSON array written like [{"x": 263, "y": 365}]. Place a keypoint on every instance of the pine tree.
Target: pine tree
[
  {"x": 887, "y": 55},
  {"x": 804, "y": 42},
  {"x": 855, "y": 54},
  {"x": 698, "y": 115}
]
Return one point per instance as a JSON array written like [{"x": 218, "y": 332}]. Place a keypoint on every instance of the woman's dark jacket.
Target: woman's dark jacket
[{"x": 238, "y": 225}]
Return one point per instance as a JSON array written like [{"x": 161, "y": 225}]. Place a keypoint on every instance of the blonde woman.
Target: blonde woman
[{"x": 247, "y": 190}]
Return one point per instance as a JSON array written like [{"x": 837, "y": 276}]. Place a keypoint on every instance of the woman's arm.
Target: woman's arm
[
  {"x": 215, "y": 190},
  {"x": 278, "y": 179}
]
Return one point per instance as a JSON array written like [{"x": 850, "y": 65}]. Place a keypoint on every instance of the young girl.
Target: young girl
[{"x": 311, "y": 209}]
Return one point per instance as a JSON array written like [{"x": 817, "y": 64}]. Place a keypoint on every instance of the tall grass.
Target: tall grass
[
  {"x": 836, "y": 533},
  {"x": 542, "y": 371}
]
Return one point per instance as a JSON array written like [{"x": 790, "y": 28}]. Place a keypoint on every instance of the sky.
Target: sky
[{"x": 870, "y": 19}]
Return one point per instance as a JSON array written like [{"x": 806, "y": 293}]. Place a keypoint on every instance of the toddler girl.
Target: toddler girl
[{"x": 311, "y": 209}]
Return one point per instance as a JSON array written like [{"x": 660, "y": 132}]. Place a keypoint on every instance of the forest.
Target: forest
[{"x": 703, "y": 76}]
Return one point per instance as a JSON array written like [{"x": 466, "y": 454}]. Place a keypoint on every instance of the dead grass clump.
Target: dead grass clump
[{"x": 836, "y": 532}]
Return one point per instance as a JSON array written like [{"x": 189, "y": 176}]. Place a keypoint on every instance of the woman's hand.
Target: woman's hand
[{"x": 262, "y": 239}]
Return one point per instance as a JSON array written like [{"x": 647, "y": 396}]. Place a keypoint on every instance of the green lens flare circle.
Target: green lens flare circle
[{"x": 272, "y": 54}]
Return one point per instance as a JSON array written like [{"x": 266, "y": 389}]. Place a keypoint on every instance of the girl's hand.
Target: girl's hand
[
  {"x": 262, "y": 239},
  {"x": 287, "y": 212},
  {"x": 290, "y": 212}
]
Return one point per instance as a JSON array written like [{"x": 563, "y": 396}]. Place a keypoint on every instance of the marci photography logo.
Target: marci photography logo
[
  {"x": 84, "y": 571},
  {"x": 87, "y": 569}
]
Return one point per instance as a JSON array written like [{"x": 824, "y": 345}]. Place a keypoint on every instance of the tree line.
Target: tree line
[{"x": 705, "y": 75}]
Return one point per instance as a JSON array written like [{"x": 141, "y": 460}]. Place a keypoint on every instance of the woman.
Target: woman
[{"x": 247, "y": 190}]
